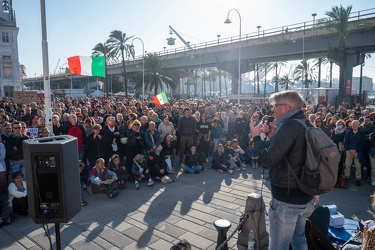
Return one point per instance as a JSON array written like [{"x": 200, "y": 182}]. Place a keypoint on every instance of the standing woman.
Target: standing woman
[
  {"x": 338, "y": 136},
  {"x": 56, "y": 126},
  {"x": 133, "y": 146},
  {"x": 166, "y": 127},
  {"x": 132, "y": 117},
  {"x": 112, "y": 134},
  {"x": 152, "y": 138},
  {"x": 204, "y": 136},
  {"x": 95, "y": 145}
]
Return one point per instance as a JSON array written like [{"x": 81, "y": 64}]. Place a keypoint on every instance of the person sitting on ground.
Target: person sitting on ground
[
  {"x": 167, "y": 153},
  {"x": 231, "y": 156},
  {"x": 119, "y": 168},
  {"x": 239, "y": 152},
  {"x": 181, "y": 245},
  {"x": 219, "y": 161},
  {"x": 101, "y": 179},
  {"x": 368, "y": 235},
  {"x": 157, "y": 168},
  {"x": 192, "y": 162},
  {"x": 140, "y": 171},
  {"x": 84, "y": 172},
  {"x": 18, "y": 194}
]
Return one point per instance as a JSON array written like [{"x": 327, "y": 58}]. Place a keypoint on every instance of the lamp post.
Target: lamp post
[
  {"x": 303, "y": 48},
  {"x": 258, "y": 27},
  {"x": 143, "y": 65},
  {"x": 218, "y": 39},
  {"x": 313, "y": 15},
  {"x": 227, "y": 21}
]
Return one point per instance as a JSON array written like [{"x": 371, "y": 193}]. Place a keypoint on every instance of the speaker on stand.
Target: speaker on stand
[{"x": 52, "y": 177}]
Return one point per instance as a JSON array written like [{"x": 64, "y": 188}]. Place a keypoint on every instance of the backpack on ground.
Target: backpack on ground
[{"x": 319, "y": 174}]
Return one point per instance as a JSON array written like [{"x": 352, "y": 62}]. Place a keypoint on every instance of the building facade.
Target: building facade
[{"x": 9, "y": 70}]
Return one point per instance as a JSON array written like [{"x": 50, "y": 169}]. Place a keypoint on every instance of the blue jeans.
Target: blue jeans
[
  {"x": 192, "y": 170},
  {"x": 287, "y": 224}
]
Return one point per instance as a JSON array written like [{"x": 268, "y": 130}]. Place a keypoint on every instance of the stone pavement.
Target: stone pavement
[{"x": 157, "y": 217}]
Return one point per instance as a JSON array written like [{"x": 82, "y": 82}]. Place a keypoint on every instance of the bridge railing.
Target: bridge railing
[{"x": 287, "y": 29}]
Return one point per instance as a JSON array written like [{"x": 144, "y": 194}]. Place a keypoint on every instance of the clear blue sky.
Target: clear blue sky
[{"x": 74, "y": 27}]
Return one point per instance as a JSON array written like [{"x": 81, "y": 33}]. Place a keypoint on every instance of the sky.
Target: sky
[{"x": 74, "y": 27}]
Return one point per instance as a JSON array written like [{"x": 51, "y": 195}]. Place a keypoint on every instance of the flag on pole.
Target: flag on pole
[
  {"x": 87, "y": 65},
  {"x": 160, "y": 99}
]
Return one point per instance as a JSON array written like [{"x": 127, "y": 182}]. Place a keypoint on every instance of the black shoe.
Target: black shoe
[
  {"x": 197, "y": 172},
  {"x": 358, "y": 183}
]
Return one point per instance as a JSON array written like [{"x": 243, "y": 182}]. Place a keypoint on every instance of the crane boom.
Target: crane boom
[
  {"x": 180, "y": 37},
  {"x": 57, "y": 64}
]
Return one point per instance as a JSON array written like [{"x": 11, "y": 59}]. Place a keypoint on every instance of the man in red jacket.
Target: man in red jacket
[{"x": 76, "y": 130}]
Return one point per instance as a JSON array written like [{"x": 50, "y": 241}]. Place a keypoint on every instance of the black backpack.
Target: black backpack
[{"x": 319, "y": 174}]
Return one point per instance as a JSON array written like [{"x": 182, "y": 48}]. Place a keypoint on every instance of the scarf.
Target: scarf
[
  {"x": 367, "y": 128},
  {"x": 286, "y": 116},
  {"x": 340, "y": 131}
]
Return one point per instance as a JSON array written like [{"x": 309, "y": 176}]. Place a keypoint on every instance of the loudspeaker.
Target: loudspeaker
[{"x": 52, "y": 177}]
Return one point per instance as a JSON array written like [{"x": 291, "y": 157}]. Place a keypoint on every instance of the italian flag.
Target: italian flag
[
  {"x": 160, "y": 99},
  {"x": 86, "y": 65}
]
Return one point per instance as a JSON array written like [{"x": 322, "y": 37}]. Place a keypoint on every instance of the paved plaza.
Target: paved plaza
[{"x": 157, "y": 217}]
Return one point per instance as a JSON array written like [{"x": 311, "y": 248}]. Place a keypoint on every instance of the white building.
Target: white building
[{"x": 9, "y": 70}]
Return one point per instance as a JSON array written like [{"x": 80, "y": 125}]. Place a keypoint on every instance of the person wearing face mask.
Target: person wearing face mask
[
  {"x": 338, "y": 135},
  {"x": 241, "y": 128}
]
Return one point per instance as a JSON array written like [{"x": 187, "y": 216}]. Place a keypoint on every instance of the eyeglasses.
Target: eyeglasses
[{"x": 16, "y": 127}]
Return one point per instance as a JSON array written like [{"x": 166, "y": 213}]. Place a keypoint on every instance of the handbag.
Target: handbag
[
  {"x": 159, "y": 148},
  {"x": 342, "y": 182}
]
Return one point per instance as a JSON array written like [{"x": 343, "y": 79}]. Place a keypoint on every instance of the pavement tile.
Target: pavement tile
[
  {"x": 160, "y": 244},
  {"x": 197, "y": 241},
  {"x": 86, "y": 245},
  {"x": 169, "y": 229},
  {"x": 190, "y": 226}
]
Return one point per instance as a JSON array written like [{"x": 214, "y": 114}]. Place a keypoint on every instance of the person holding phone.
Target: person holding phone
[{"x": 101, "y": 179}]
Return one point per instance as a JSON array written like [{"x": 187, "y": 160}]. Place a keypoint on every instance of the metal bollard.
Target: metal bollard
[{"x": 222, "y": 227}]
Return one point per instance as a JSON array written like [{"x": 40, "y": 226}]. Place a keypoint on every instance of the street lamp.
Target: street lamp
[
  {"x": 258, "y": 27},
  {"x": 227, "y": 21},
  {"x": 143, "y": 65},
  {"x": 313, "y": 15},
  {"x": 218, "y": 39}
]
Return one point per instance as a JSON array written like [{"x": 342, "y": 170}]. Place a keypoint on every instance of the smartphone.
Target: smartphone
[{"x": 270, "y": 119}]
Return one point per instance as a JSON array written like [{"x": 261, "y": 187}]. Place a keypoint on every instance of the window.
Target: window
[
  {"x": 6, "y": 58},
  {"x": 5, "y": 6},
  {"x": 5, "y": 37},
  {"x": 7, "y": 70}
]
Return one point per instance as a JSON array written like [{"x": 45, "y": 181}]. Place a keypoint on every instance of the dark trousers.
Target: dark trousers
[{"x": 185, "y": 141}]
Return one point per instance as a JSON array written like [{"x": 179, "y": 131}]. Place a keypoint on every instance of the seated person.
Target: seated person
[
  {"x": 101, "y": 179},
  {"x": 18, "y": 194},
  {"x": 232, "y": 156},
  {"x": 140, "y": 171},
  {"x": 239, "y": 152},
  {"x": 192, "y": 162},
  {"x": 167, "y": 153},
  {"x": 368, "y": 235},
  {"x": 157, "y": 168},
  {"x": 219, "y": 161},
  {"x": 84, "y": 172},
  {"x": 121, "y": 171}
]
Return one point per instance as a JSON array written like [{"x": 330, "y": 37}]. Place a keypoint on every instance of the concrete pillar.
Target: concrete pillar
[
  {"x": 222, "y": 227},
  {"x": 348, "y": 73},
  {"x": 256, "y": 221}
]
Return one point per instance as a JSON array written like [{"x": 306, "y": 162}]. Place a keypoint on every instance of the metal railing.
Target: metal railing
[{"x": 287, "y": 29}]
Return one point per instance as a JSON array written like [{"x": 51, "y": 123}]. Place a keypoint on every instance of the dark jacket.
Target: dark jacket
[
  {"x": 14, "y": 148},
  {"x": 288, "y": 143},
  {"x": 192, "y": 160},
  {"x": 218, "y": 160},
  {"x": 354, "y": 141}
]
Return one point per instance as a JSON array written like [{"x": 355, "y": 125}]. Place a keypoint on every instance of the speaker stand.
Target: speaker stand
[{"x": 58, "y": 240}]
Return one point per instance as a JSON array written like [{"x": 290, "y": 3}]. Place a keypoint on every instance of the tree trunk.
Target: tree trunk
[
  {"x": 276, "y": 82},
  {"x": 219, "y": 82},
  {"x": 225, "y": 84},
  {"x": 258, "y": 90},
  {"x": 330, "y": 73},
  {"x": 360, "y": 83},
  {"x": 320, "y": 71},
  {"x": 341, "y": 60},
  {"x": 124, "y": 73},
  {"x": 196, "y": 83},
  {"x": 265, "y": 81}
]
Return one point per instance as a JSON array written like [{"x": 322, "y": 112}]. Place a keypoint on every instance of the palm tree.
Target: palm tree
[
  {"x": 285, "y": 81},
  {"x": 276, "y": 66},
  {"x": 102, "y": 49},
  {"x": 212, "y": 76},
  {"x": 305, "y": 73},
  {"x": 117, "y": 42},
  {"x": 156, "y": 74},
  {"x": 338, "y": 22}
]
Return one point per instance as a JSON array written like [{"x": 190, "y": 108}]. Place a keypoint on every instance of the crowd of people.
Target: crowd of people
[{"x": 131, "y": 140}]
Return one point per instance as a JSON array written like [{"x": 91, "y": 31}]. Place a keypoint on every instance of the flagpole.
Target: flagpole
[{"x": 46, "y": 81}]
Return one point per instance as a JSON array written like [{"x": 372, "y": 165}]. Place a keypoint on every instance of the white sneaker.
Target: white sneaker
[
  {"x": 244, "y": 168},
  {"x": 230, "y": 171},
  {"x": 220, "y": 171},
  {"x": 373, "y": 183},
  {"x": 238, "y": 169}
]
